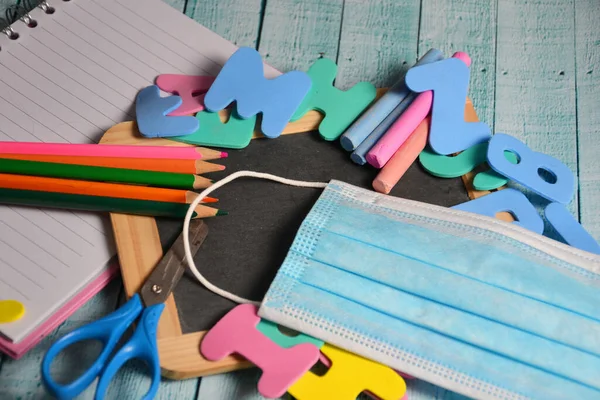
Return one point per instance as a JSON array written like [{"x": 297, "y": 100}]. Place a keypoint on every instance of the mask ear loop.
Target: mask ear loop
[{"x": 206, "y": 192}]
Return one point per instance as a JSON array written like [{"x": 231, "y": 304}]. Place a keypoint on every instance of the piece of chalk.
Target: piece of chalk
[
  {"x": 401, "y": 129},
  {"x": 377, "y": 113},
  {"x": 403, "y": 158},
  {"x": 359, "y": 155}
]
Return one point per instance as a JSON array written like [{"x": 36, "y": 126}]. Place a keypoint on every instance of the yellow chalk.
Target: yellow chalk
[
  {"x": 348, "y": 376},
  {"x": 11, "y": 311}
]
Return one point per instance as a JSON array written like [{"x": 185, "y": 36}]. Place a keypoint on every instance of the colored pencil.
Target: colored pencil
[
  {"x": 104, "y": 174},
  {"x": 94, "y": 150},
  {"x": 103, "y": 204},
  {"x": 69, "y": 186},
  {"x": 127, "y": 133},
  {"x": 142, "y": 164}
]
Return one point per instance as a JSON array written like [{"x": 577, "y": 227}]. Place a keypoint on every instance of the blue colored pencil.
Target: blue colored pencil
[{"x": 374, "y": 116}]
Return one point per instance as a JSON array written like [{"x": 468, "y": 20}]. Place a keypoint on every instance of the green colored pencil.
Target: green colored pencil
[
  {"x": 104, "y": 174},
  {"x": 103, "y": 204}
]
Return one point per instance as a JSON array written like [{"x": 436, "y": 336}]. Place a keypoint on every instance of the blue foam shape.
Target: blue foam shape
[
  {"x": 242, "y": 79},
  {"x": 509, "y": 200},
  {"x": 525, "y": 171},
  {"x": 377, "y": 115},
  {"x": 151, "y": 114},
  {"x": 449, "y": 79},
  {"x": 569, "y": 229},
  {"x": 358, "y": 156}
]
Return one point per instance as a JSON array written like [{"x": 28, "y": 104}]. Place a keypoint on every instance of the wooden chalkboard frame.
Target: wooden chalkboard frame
[{"x": 139, "y": 250}]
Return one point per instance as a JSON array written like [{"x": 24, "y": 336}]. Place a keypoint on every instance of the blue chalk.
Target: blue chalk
[
  {"x": 569, "y": 229},
  {"x": 527, "y": 169},
  {"x": 376, "y": 115},
  {"x": 242, "y": 79},
  {"x": 358, "y": 156},
  {"x": 449, "y": 80},
  {"x": 509, "y": 200},
  {"x": 151, "y": 115}
]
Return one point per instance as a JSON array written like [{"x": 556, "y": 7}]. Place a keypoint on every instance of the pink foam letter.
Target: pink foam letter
[
  {"x": 236, "y": 333},
  {"x": 187, "y": 87}
]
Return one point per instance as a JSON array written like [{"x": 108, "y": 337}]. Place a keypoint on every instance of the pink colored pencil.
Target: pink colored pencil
[
  {"x": 399, "y": 132},
  {"x": 403, "y": 158},
  {"x": 121, "y": 151}
]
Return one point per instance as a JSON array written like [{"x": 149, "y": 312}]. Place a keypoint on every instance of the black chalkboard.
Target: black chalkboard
[{"x": 244, "y": 249}]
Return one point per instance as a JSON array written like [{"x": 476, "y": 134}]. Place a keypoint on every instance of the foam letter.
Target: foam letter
[
  {"x": 348, "y": 376},
  {"x": 191, "y": 89},
  {"x": 242, "y": 79},
  {"x": 569, "y": 229},
  {"x": 236, "y": 133},
  {"x": 236, "y": 333},
  {"x": 509, "y": 200},
  {"x": 340, "y": 107},
  {"x": 449, "y": 80},
  {"x": 466, "y": 161},
  {"x": 527, "y": 170},
  {"x": 151, "y": 111},
  {"x": 271, "y": 330}
]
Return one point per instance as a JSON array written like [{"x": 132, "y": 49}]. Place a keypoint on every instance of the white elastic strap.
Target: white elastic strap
[{"x": 186, "y": 225}]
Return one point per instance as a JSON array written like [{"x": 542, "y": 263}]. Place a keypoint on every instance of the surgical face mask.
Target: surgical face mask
[{"x": 476, "y": 305}]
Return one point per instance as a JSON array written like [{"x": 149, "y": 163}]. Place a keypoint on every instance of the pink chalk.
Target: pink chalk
[
  {"x": 191, "y": 89},
  {"x": 236, "y": 333},
  {"x": 403, "y": 158},
  {"x": 400, "y": 130},
  {"x": 397, "y": 134}
]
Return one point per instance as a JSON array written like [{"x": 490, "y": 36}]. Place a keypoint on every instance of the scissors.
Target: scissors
[{"x": 149, "y": 303}]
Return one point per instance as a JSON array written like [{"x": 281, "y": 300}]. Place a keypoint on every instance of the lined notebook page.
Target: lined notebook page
[{"x": 68, "y": 80}]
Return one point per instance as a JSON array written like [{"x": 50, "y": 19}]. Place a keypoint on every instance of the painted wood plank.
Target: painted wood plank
[
  {"x": 587, "y": 42},
  {"x": 535, "y": 78},
  {"x": 469, "y": 26},
  {"x": 239, "y": 385},
  {"x": 237, "y": 21},
  {"x": 296, "y": 33},
  {"x": 378, "y": 42},
  {"x": 179, "y": 5}
]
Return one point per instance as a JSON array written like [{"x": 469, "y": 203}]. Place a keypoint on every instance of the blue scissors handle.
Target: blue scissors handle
[
  {"x": 108, "y": 330},
  {"x": 142, "y": 345}
]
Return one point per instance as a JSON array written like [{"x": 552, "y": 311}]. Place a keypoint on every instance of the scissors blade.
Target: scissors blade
[{"x": 165, "y": 276}]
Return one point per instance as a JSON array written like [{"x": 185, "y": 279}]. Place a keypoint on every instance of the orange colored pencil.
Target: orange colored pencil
[
  {"x": 145, "y": 164},
  {"x": 117, "y": 190}
]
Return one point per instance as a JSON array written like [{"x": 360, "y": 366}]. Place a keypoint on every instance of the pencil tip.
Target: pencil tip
[
  {"x": 221, "y": 212},
  {"x": 224, "y": 154},
  {"x": 210, "y": 200}
]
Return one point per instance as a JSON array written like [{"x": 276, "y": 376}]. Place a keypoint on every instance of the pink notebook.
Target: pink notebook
[{"x": 17, "y": 350}]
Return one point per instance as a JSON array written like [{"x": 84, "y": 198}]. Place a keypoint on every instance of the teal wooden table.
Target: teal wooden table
[{"x": 535, "y": 75}]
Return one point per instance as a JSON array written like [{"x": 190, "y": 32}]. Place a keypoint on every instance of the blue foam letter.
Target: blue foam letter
[
  {"x": 570, "y": 230},
  {"x": 151, "y": 115},
  {"x": 509, "y": 200},
  {"x": 449, "y": 80},
  {"x": 528, "y": 167},
  {"x": 242, "y": 79}
]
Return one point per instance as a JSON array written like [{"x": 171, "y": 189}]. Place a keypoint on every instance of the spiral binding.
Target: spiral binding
[{"x": 20, "y": 11}]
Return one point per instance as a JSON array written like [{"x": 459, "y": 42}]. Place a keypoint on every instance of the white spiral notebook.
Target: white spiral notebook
[{"x": 73, "y": 72}]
